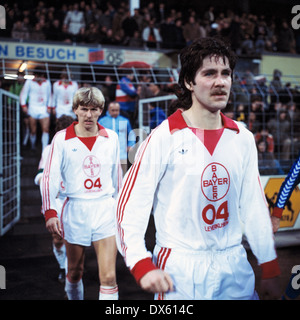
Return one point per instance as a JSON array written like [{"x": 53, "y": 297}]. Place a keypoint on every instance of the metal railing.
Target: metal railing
[
  {"x": 10, "y": 175},
  {"x": 88, "y": 73}
]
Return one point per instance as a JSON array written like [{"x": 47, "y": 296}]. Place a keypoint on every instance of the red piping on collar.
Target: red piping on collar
[
  {"x": 70, "y": 132},
  {"x": 176, "y": 122}
]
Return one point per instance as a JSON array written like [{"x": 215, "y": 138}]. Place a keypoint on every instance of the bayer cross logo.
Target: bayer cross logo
[
  {"x": 91, "y": 166},
  {"x": 215, "y": 181}
]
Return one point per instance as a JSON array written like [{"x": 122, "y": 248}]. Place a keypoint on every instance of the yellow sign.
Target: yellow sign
[{"x": 292, "y": 207}]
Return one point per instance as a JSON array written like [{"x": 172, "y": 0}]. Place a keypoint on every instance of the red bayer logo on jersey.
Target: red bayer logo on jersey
[
  {"x": 91, "y": 166},
  {"x": 215, "y": 181}
]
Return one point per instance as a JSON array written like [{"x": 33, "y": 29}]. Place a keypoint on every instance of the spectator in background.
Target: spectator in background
[
  {"x": 108, "y": 88},
  {"x": 136, "y": 41},
  {"x": 168, "y": 33},
  {"x": 129, "y": 26},
  {"x": 156, "y": 109},
  {"x": 294, "y": 117},
  {"x": 267, "y": 34},
  {"x": 267, "y": 163},
  {"x": 54, "y": 31},
  {"x": 285, "y": 39},
  {"x": 157, "y": 116},
  {"x": 126, "y": 95},
  {"x": 65, "y": 35},
  {"x": 257, "y": 106},
  {"x": 247, "y": 45},
  {"x": 88, "y": 15},
  {"x": 179, "y": 37},
  {"x": 235, "y": 34},
  {"x": 209, "y": 14},
  {"x": 37, "y": 34},
  {"x": 92, "y": 33},
  {"x": 191, "y": 30},
  {"x": 138, "y": 18},
  {"x": 263, "y": 134},
  {"x": 280, "y": 128},
  {"x": 161, "y": 13},
  {"x": 108, "y": 37},
  {"x": 105, "y": 19},
  {"x": 151, "y": 36},
  {"x": 9, "y": 20},
  {"x": 117, "y": 30},
  {"x": 61, "y": 13},
  {"x": 150, "y": 7},
  {"x": 74, "y": 20},
  {"x": 121, "y": 125},
  {"x": 253, "y": 123},
  {"x": 157, "y": 91},
  {"x": 20, "y": 31}
]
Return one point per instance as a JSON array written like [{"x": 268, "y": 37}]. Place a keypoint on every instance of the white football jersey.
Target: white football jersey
[
  {"x": 37, "y": 95},
  {"x": 62, "y": 98},
  {"x": 86, "y": 173},
  {"x": 202, "y": 189}
]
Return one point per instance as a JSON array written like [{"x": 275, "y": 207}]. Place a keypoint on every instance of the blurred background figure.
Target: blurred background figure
[{"x": 121, "y": 125}]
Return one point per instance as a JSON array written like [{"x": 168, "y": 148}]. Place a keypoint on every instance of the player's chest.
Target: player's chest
[
  {"x": 192, "y": 156},
  {"x": 78, "y": 156}
]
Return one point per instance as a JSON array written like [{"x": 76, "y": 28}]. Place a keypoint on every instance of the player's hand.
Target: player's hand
[
  {"x": 156, "y": 281},
  {"x": 53, "y": 226},
  {"x": 25, "y": 109},
  {"x": 270, "y": 289},
  {"x": 275, "y": 223}
]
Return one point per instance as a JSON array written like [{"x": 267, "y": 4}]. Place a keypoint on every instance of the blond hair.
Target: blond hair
[{"x": 90, "y": 96}]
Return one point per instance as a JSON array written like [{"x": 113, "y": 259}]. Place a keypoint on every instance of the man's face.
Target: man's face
[
  {"x": 114, "y": 110},
  {"x": 88, "y": 116},
  {"x": 212, "y": 84}
]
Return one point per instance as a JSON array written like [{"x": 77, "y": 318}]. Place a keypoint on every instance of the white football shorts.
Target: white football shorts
[
  {"x": 38, "y": 112},
  {"x": 207, "y": 275},
  {"x": 86, "y": 221}
]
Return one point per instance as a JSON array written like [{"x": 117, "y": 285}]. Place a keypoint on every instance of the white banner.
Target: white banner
[{"x": 79, "y": 54}]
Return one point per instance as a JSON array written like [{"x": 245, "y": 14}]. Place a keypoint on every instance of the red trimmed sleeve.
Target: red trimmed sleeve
[
  {"x": 277, "y": 212},
  {"x": 142, "y": 267},
  {"x": 270, "y": 269},
  {"x": 50, "y": 214}
]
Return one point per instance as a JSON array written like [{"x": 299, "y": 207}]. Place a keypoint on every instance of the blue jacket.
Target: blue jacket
[
  {"x": 122, "y": 127},
  {"x": 126, "y": 94},
  {"x": 157, "y": 116}
]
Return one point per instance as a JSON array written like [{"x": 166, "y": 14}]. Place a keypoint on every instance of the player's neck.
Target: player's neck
[
  {"x": 83, "y": 132},
  {"x": 202, "y": 119}
]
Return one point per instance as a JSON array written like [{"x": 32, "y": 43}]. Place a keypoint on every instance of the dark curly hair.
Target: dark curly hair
[
  {"x": 63, "y": 122},
  {"x": 191, "y": 58}
]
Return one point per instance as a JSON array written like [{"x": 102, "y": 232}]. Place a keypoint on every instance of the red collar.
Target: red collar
[
  {"x": 39, "y": 83},
  {"x": 64, "y": 83},
  {"x": 176, "y": 122},
  {"x": 70, "y": 131}
]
